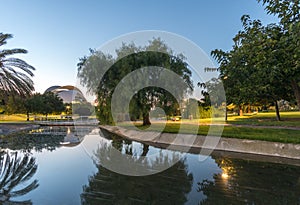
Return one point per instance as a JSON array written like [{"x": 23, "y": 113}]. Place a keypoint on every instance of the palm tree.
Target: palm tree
[{"x": 15, "y": 74}]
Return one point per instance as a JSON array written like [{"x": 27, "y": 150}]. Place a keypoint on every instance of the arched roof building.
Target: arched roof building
[{"x": 68, "y": 93}]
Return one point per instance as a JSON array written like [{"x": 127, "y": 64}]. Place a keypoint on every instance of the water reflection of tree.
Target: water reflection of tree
[
  {"x": 120, "y": 143},
  {"x": 168, "y": 187},
  {"x": 14, "y": 172},
  {"x": 248, "y": 182}
]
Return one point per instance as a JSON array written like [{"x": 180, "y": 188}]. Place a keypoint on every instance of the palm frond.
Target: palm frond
[{"x": 14, "y": 73}]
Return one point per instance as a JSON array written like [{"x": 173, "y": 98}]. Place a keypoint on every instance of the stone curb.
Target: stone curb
[
  {"x": 9, "y": 129},
  {"x": 183, "y": 142}
]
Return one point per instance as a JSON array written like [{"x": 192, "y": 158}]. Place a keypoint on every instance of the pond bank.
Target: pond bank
[
  {"x": 8, "y": 128},
  {"x": 182, "y": 142}
]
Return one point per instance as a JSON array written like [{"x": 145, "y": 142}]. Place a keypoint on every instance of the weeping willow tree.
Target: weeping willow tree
[{"x": 101, "y": 74}]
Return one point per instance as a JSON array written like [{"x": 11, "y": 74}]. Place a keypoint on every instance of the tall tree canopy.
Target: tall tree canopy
[
  {"x": 263, "y": 64},
  {"x": 251, "y": 71},
  {"x": 15, "y": 74},
  {"x": 288, "y": 11},
  {"x": 157, "y": 56}
]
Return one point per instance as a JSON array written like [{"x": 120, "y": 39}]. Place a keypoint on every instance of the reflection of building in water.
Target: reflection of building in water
[
  {"x": 72, "y": 136},
  {"x": 69, "y": 93},
  {"x": 71, "y": 139}
]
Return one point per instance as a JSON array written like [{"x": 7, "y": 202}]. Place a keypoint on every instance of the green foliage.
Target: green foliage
[
  {"x": 15, "y": 104},
  {"x": 83, "y": 109},
  {"x": 263, "y": 64},
  {"x": 286, "y": 10},
  {"x": 34, "y": 103},
  {"x": 289, "y": 42},
  {"x": 52, "y": 104},
  {"x": 15, "y": 73},
  {"x": 197, "y": 110},
  {"x": 45, "y": 104},
  {"x": 191, "y": 109}
]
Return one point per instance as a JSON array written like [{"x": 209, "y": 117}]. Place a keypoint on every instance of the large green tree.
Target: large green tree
[
  {"x": 252, "y": 70},
  {"x": 15, "y": 104},
  {"x": 263, "y": 64},
  {"x": 15, "y": 74},
  {"x": 289, "y": 42},
  {"x": 131, "y": 58},
  {"x": 45, "y": 104}
]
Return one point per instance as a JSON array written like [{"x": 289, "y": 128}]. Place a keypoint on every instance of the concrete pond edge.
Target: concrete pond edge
[{"x": 183, "y": 142}]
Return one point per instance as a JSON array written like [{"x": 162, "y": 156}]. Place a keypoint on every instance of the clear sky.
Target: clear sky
[{"x": 58, "y": 32}]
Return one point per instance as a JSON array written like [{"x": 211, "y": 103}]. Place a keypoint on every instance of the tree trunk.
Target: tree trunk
[
  {"x": 145, "y": 150},
  {"x": 277, "y": 111},
  {"x": 249, "y": 109},
  {"x": 146, "y": 119},
  {"x": 240, "y": 110},
  {"x": 226, "y": 116},
  {"x": 27, "y": 116},
  {"x": 296, "y": 90}
]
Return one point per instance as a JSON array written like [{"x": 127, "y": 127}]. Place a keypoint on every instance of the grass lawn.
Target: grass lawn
[
  {"x": 254, "y": 133},
  {"x": 20, "y": 118},
  {"x": 267, "y": 134},
  {"x": 17, "y": 118},
  {"x": 290, "y": 119}
]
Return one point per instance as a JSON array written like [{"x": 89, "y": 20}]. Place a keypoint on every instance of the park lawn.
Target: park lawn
[
  {"x": 21, "y": 118},
  {"x": 13, "y": 118},
  {"x": 288, "y": 119},
  {"x": 266, "y": 134}
]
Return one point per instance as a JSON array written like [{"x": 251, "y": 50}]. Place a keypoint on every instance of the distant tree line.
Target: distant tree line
[{"x": 47, "y": 103}]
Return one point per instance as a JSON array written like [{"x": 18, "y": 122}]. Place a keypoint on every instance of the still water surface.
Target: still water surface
[{"x": 39, "y": 167}]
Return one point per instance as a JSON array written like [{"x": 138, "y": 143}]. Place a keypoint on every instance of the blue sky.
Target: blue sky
[{"x": 57, "y": 33}]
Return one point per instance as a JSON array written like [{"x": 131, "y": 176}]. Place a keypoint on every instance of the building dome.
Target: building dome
[
  {"x": 52, "y": 88},
  {"x": 68, "y": 93}
]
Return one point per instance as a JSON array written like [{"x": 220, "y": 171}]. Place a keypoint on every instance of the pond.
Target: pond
[{"x": 42, "y": 167}]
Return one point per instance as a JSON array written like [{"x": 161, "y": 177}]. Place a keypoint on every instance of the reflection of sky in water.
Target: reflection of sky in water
[
  {"x": 62, "y": 173},
  {"x": 201, "y": 170}
]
